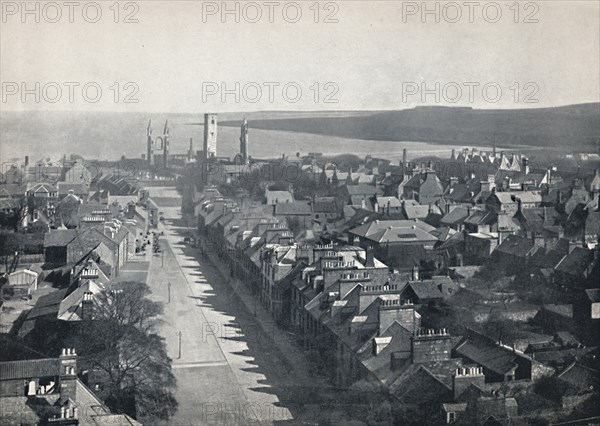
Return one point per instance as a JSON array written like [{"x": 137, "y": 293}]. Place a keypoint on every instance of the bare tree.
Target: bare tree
[{"x": 120, "y": 341}]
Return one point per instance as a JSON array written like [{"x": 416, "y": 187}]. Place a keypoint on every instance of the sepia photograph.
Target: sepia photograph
[{"x": 299, "y": 213}]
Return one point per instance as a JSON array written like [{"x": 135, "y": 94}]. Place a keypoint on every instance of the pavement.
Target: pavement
[{"x": 229, "y": 365}]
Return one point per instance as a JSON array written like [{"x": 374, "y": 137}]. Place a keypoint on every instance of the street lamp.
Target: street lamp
[{"x": 179, "y": 353}]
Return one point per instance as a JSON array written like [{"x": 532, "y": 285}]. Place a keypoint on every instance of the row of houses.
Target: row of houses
[{"x": 364, "y": 316}]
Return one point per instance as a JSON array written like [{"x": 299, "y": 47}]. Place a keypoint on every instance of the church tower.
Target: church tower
[
  {"x": 244, "y": 141},
  {"x": 165, "y": 145},
  {"x": 210, "y": 136},
  {"x": 190, "y": 155}
]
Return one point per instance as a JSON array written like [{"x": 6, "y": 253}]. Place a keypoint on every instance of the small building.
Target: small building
[
  {"x": 48, "y": 391},
  {"x": 278, "y": 197},
  {"x": 516, "y": 250},
  {"x": 295, "y": 211},
  {"x": 21, "y": 283}
]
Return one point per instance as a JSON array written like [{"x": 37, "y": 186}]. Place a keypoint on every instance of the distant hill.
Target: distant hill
[{"x": 573, "y": 127}]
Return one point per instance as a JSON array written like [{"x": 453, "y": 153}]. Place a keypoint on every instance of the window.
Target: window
[{"x": 451, "y": 417}]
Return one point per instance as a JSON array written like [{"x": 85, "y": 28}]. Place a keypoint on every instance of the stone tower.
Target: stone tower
[
  {"x": 244, "y": 141},
  {"x": 190, "y": 155},
  {"x": 158, "y": 148},
  {"x": 150, "y": 144},
  {"x": 165, "y": 145},
  {"x": 210, "y": 136}
]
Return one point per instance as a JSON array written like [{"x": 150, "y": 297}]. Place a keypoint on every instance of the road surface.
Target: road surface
[{"x": 226, "y": 370}]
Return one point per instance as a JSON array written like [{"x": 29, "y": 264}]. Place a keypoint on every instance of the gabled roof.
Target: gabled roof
[
  {"x": 12, "y": 190},
  {"x": 593, "y": 295},
  {"x": 362, "y": 189},
  {"x": 443, "y": 233},
  {"x": 28, "y": 369},
  {"x": 516, "y": 245},
  {"x": 59, "y": 237},
  {"x": 123, "y": 231},
  {"x": 293, "y": 208},
  {"x": 71, "y": 306},
  {"x": 325, "y": 205},
  {"x": 77, "y": 188},
  {"x": 420, "y": 386},
  {"x": 504, "y": 197},
  {"x": 576, "y": 262},
  {"x": 480, "y": 217},
  {"x": 427, "y": 289},
  {"x": 544, "y": 258},
  {"x": 384, "y": 202},
  {"x": 495, "y": 358},
  {"x": 416, "y": 212},
  {"x": 455, "y": 217},
  {"x": 37, "y": 188},
  {"x": 376, "y": 228}
]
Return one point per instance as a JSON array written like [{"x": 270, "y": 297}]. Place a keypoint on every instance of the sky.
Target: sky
[{"x": 188, "y": 56}]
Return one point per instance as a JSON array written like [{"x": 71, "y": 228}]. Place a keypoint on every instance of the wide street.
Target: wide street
[{"x": 227, "y": 370}]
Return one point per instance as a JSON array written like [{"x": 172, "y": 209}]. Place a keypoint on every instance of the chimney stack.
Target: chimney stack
[
  {"x": 68, "y": 375},
  {"x": 525, "y": 163},
  {"x": 370, "y": 261},
  {"x": 415, "y": 273},
  {"x": 87, "y": 306},
  {"x": 465, "y": 377}
]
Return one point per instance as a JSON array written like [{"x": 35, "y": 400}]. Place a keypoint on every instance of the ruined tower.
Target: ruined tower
[
  {"x": 158, "y": 148},
  {"x": 210, "y": 135}
]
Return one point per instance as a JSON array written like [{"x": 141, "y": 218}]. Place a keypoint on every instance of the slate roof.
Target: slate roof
[
  {"x": 59, "y": 237},
  {"x": 455, "y": 217},
  {"x": 443, "y": 233},
  {"x": 494, "y": 358},
  {"x": 70, "y": 307},
  {"x": 593, "y": 295},
  {"x": 544, "y": 258},
  {"x": 362, "y": 189},
  {"x": 480, "y": 217},
  {"x": 580, "y": 375},
  {"x": 416, "y": 212},
  {"x": 41, "y": 188},
  {"x": 77, "y": 188},
  {"x": 393, "y": 202},
  {"x": 12, "y": 190},
  {"x": 504, "y": 197},
  {"x": 420, "y": 387},
  {"x": 516, "y": 245},
  {"x": 576, "y": 262},
  {"x": 325, "y": 205},
  {"x": 295, "y": 208},
  {"x": 29, "y": 369},
  {"x": 427, "y": 289},
  {"x": 377, "y": 229}
]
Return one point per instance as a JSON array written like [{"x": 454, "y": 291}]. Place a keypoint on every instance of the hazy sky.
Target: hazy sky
[{"x": 378, "y": 55}]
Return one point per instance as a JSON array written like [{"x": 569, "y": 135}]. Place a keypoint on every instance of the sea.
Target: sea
[{"x": 109, "y": 136}]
